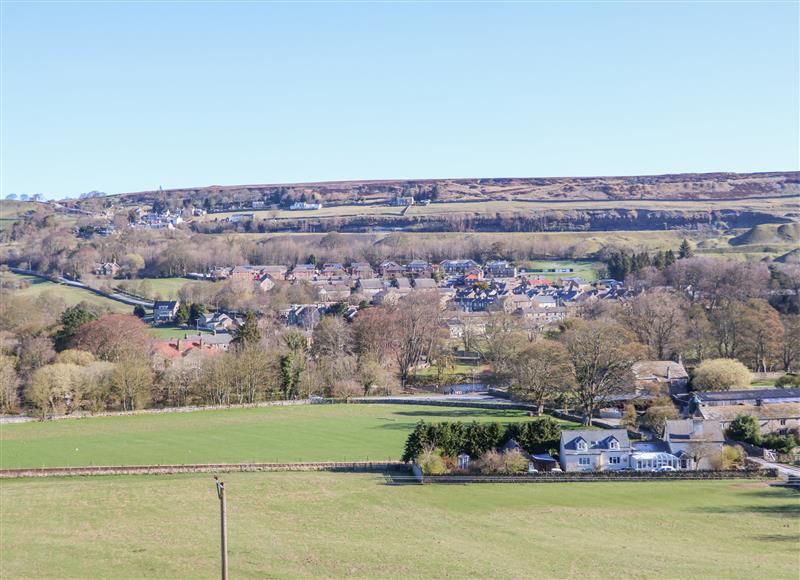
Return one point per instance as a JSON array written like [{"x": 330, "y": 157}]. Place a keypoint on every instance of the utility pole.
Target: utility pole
[{"x": 223, "y": 528}]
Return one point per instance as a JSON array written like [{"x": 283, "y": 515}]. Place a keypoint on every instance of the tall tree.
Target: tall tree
[
  {"x": 73, "y": 318},
  {"x": 540, "y": 372},
  {"x": 293, "y": 363},
  {"x": 602, "y": 354},
  {"x": 417, "y": 324},
  {"x": 762, "y": 336},
  {"x": 658, "y": 319},
  {"x": 113, "y": 337},
  {"x": 247, "y": 334},
  {"x": 685, "y": 251}
]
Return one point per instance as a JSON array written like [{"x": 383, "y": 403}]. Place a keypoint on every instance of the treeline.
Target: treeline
[
  {"x": 59, "y": 360},
  {"x": 621, "y": 264},
  {"x": 45, "y": 244},
  {"x": 451, "y": 439}
]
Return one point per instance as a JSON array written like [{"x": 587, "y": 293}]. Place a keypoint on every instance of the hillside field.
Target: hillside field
[
  {"x": 69, "y": 294},
  {"x": 324, "y": 525},
  {"x": 265, "y": 434},
  {"x": 777, "y": 206}
]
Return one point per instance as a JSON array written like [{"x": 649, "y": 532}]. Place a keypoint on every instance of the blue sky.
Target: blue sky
[{"x": 132, "y": 96}]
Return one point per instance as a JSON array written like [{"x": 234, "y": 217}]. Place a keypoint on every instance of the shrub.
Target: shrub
[
  {"x": 431, "y": 462},
  {"x": 721, "y": 374},
  {"x": 745, "y": 428},
  {"x": 789, "y": 381},
  {"x": 515, "y": 462},
  {"x": 778, "y": 443},
  {"x": 731, "y": 457},
  {"x": 490, "y": 463}
]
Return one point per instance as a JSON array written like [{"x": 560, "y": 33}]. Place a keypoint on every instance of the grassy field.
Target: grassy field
[
  {"x": 296, "y": 433},
  {"x": 588, "y": 270},
  {"x": 154, "y": 288},
  {"x": 325, "y": 525},
  {"x": 11, "y": 210},
  {"x": 69, "y": 294},
  {"x": 167, "y": 331}
]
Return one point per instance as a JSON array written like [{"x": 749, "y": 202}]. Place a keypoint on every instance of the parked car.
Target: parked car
[{"x": 666, "y": 468}]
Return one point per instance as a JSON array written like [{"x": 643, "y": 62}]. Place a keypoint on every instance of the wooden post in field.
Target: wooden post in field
[{"x": 223, "y": 528}]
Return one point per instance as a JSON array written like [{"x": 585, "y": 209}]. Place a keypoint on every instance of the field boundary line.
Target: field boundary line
[{"x": 337, "y": 466}]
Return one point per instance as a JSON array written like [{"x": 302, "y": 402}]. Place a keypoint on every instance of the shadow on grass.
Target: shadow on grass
[
  {"x": 447, "y": 413},
  {"x": 775, "y": 493},
  {"x": 777, "y": 538},
  {"x": 789, "y": 510},
  {"x": 399, "y": 477}
]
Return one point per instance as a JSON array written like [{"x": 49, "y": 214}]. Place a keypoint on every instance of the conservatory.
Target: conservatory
[{"x": 651, "y": 461}]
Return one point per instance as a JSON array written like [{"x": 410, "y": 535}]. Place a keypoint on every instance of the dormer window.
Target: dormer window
[
  {"x": 613, "y": 444},
  {"x": 580, "y": 444}
]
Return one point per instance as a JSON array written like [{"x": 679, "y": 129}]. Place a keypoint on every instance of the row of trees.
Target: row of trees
[{"x": 474, "y": 439}]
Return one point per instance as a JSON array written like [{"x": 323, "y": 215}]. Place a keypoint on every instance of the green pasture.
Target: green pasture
[
  {"x": 335, "y": 525},
  {"x": 266, "y": 434}
]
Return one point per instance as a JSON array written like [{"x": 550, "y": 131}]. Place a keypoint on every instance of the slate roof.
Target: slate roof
[
  {"x": 760, "y": 412},
  {"x": 595, "y": 438},
  {"x": 747, "y": 394},
  {"x": 679, "y": 430}
]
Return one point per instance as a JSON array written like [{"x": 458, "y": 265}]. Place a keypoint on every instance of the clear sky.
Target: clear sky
[{"x": 129, "y": 96}]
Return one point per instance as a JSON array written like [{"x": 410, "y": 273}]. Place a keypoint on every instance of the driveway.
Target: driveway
[{"x": 783, "y": 470}]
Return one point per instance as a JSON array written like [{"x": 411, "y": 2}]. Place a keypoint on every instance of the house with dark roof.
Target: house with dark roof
[
  {"x": 774, "y": 418},
  {"x": 694, "y": 441},
  {"x": 304, "y": 272},
  {"x": 666, "y": 376},
  {"x": 594, "y": 450},
  {"x": 369, "y": 286},
  {"x": 501, "y": 269},
  {"x": 361, "y": 270},
  {"x": 425, "y": 284},
  {"x": 389, "y": 269},
  {"x": 745, "y": 397},
  {"x": 419, "y": 268},
  {"x": 164, "y": 310}
]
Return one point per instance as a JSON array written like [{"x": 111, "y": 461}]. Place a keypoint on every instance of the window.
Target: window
[
  {"x": 584, "y": 461},
  {"x": 783, "y": 421},
  {"x": 613, "y": 444},
  {"x": 613, "y": 460}
]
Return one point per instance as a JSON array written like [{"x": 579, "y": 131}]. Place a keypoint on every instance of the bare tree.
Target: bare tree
[
  {"x": 416, "y": 327},
  {"x": 658, "y": 319},
  {"x": 540, "y": 372},
  {"x": 602, "y": 354}
]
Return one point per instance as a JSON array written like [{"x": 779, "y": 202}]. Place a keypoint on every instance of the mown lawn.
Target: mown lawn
[
  {"x": 296, "y": 433},
  {"x": 326, "y": 525}
]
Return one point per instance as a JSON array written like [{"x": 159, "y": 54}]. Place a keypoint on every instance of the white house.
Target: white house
[
  {"x": 594, "y": 450},
  {"x": 301, "y": 205}
]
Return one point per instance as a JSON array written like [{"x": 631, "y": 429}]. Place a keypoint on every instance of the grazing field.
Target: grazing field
[
  {"x": 266, "y": 434},
  {"x": 327, "y": 525},
  {"x": 69, "y": 294}
]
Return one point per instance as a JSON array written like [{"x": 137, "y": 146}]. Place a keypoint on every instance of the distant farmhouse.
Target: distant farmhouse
[{"x": 301, "y": 205}]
